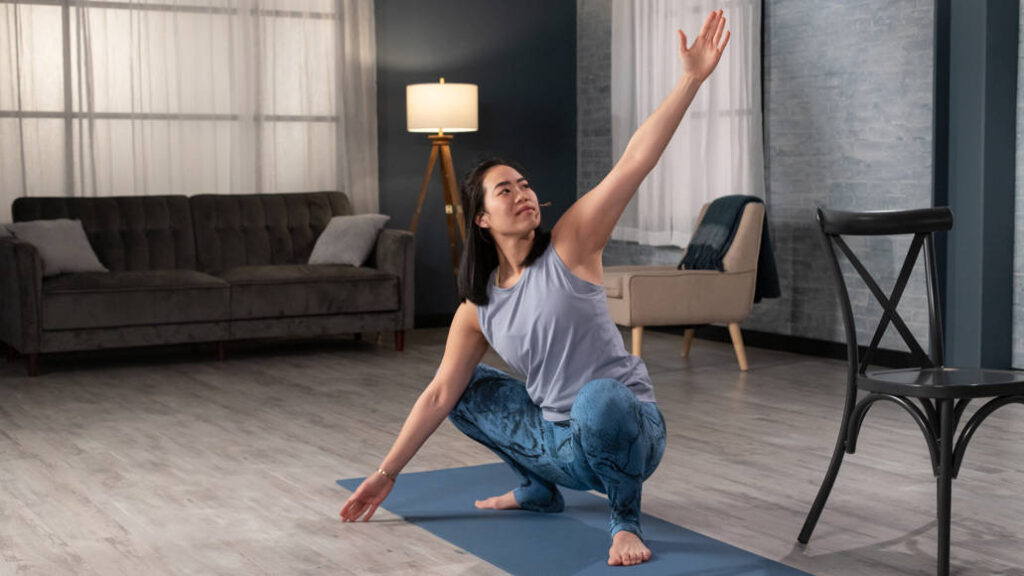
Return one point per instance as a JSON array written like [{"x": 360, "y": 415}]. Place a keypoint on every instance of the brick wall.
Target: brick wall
[
  {"x": 593, "y": 92},
  {"x": 848, "y": 125}
]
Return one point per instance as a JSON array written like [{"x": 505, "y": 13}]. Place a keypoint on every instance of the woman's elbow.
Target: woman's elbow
[{"x": 436, "y": 399}]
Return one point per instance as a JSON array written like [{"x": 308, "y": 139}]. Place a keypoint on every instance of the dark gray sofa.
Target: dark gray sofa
[{"x": 207, "y": 268}]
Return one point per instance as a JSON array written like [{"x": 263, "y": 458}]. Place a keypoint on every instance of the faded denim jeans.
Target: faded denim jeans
[{"x": 611, "y": 443}]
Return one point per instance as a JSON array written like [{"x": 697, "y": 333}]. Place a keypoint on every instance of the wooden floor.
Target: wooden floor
[{"x": 170, "y": 462}]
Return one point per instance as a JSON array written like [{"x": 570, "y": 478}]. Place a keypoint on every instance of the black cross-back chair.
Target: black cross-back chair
[{"x": 933, "y": 394}]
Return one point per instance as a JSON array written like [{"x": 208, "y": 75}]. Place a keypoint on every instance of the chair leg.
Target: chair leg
[
  {"x": 687, "y": 341},
  {"x": 826, "y": 487},
  {"x": 399, "y": 340},
  {"x": 945, "y": 483},
  {"x": 221, "y": 351},
  {"x": 638, "y": 340},
  {"x": 737, "y": 343}
]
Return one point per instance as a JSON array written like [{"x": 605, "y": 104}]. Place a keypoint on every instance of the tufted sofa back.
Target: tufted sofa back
[
  {"x": 261, "y": 229},
  {"x": 127, "y": 232}
]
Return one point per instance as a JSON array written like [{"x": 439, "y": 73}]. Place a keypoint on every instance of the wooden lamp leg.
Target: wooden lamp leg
[
  {"x": 451, "y": 204},
  {"x": 737, "y": 343},
  {"x": 423, "y": 188}
]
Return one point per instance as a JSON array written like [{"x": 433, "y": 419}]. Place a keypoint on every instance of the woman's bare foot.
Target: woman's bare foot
[
  {"x": 504, "y": 502},
  {"x": 627, "y": 549}
]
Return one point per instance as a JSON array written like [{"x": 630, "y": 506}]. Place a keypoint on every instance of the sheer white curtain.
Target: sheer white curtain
[
  {"x": 718, "y": 149},
  {"x": 140, "y": 97}
]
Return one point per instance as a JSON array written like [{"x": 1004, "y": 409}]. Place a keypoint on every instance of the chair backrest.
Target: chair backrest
[
  {"x": 922, "y": 224},
  {"x": 746, "y": 245}
]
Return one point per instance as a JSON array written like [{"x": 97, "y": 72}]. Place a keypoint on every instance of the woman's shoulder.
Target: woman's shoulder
[{"x": 467, "y": 315}]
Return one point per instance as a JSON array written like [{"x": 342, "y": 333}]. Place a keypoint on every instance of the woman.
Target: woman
[{"x": 586, "y": 417}]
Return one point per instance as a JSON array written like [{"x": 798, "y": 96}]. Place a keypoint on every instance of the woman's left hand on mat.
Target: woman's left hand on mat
[{"x": 366, "y": 498}]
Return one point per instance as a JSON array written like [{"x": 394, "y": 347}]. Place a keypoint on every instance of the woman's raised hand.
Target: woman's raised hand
[
  {"x": 366, "y": 498},
  {"x": 700, "y": 59}
]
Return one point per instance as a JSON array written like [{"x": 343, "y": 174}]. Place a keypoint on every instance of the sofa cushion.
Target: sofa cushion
[
  {"x": 260, "y": 229},
  {"x": 127, "y": 232},
  {"x": 111, "y": 299},
  {"x": 61, "y": 243},
  {"x": 309, "y": 290}
]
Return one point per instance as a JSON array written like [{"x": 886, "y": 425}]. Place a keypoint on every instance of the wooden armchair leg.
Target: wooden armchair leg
[
  {"x": 687, "y": 341},
  {"x": 737, "y": 343},
  {"x": 638, "y": 340},
  {"x": 399, "y": 340}
]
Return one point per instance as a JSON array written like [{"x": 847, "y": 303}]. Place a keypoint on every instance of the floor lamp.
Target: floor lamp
[{"x": 439, "y": 108}]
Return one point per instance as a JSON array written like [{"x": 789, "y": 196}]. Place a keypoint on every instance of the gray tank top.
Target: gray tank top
[{"x": 554, "y": 328}]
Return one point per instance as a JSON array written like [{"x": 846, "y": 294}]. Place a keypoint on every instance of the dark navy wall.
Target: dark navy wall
[
  {"x": 1018, "y": 253},
  {"x": 982, "y": 114},
  {"x": 522, "y": 55}
]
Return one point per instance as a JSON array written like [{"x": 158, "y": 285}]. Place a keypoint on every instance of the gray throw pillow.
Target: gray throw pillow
[
  {"x": 62, "y": 245},
  {"x": 348, "y": 239}
]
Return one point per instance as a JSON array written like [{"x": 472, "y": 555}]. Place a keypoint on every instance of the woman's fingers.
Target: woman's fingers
[
  {"x": 358, "y": 512},
  {"x": 373, "y": 508},
  {"x": 725, "y": 42},
  {"x": 716, "y": 39},
  {"x": 352, "y": 509},
  {"x": 707, "y": 25},
  {"x": 716, "y": 16},
  {"x": 682, "y": 41}
]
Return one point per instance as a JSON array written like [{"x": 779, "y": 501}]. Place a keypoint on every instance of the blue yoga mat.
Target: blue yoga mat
[{"x": 575, "y": 541}]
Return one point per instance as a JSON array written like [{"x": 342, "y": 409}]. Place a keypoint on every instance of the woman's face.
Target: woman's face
[{"x": 510, "y": 204}]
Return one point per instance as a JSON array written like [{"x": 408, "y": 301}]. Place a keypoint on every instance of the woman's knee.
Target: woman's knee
[
  {"x": 603, "y": 402},
  {"x": 489, "y": 390}
]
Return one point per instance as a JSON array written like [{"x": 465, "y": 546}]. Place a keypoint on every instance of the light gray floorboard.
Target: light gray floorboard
[{"x": 168, "y": 462}]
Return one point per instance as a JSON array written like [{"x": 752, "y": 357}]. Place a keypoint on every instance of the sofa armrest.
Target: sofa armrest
[
  {"x": 679, "y": 297},
  {"x": 396, "y": 253},
  {"x": 21, "y": 285}
]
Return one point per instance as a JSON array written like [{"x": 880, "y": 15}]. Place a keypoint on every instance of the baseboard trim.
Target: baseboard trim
[
  {"x": 795, "y": 344},
  {"x": 751, "y": 338}
]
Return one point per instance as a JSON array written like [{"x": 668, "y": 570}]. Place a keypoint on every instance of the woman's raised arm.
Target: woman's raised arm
[{"x": 582, "y": 232}]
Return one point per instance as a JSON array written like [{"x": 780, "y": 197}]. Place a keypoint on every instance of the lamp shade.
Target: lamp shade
[{"x": 441, "y": 107}]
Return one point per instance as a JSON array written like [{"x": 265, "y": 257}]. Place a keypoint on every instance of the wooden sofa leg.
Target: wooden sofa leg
[
  {"x": 687, "y": 341},
  {"x": 638, "y": 340},
  {"x": 32, "y": 363},
  {"x": 221, "y": 351},
  {"x": 737, "y": 343},
  {"x": 399, "y": 340}
]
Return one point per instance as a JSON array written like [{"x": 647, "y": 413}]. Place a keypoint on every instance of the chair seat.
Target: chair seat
[{"x": 944, "y": 382}]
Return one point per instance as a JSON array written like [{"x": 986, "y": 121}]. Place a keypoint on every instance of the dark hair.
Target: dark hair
[{"x": 479, "y": 254}]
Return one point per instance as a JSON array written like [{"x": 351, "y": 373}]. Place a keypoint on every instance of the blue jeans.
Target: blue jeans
[{"x": 611, "y": 443}]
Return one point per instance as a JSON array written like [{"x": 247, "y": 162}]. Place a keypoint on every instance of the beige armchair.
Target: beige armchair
[{"x": 641, "y": 296}]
